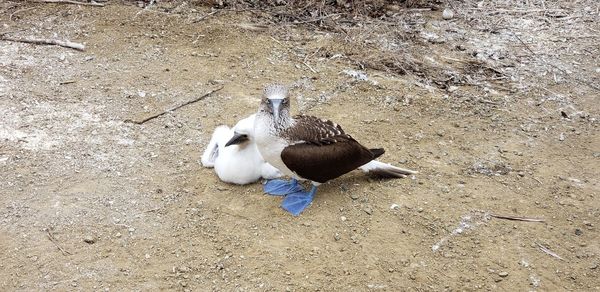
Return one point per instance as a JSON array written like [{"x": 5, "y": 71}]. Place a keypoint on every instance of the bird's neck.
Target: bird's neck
[
  {"x": 272, "y": 126},
  {"x": 282, "y": 124}
]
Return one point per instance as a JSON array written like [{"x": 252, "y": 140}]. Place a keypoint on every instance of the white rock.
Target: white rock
[{"x": 447, "y": 14}]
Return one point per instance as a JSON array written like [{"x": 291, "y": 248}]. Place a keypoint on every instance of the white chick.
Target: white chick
[{"x": 233, "y": 154}]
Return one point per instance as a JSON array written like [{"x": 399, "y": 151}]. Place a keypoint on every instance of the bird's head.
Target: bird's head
[
  {"x": 276, "y": 103},
  {"x": 243, "y": 132}
]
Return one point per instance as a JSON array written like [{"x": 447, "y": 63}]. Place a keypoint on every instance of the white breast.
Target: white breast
[{"x": 269, "y": 144}]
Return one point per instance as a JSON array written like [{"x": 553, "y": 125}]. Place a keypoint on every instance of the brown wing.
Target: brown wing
[
  {"x": 315, "y": 131},
  {"x": 321, "y": 163}
]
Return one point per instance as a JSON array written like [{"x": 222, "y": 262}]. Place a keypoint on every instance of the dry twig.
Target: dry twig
[
  {"x": 517, "y": 218},
  {"x": 173, "y": 109},
  {"x": 70, "y": 2},
  {"x": 19, "y": 11},
  {"x": 549, "y": 252},
  {"x": 205, "y": 16},
  {"x": 66, "y": 44},
  {"x": 317, "y": 19},
  {"x": 53, "y": 240},
  {"x": 309, "y": 67}
]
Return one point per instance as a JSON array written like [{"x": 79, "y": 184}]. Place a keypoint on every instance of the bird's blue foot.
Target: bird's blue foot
[
  {"x": 296, "y": 202},
  {"x": 279, "y": 187}
]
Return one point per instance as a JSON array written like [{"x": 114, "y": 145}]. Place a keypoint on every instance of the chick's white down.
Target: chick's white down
[{"x": 237, "y": 164}]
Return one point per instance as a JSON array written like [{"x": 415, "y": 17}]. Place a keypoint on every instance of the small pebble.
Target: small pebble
[
  {"x": 447, "y": 14},
  {"x": 503, "y": 274},
  {"x": 368, "y": 210},
  {"x": 578, "y": 231},
  {"x": 561, "y": 137},
  {"x": 343, "y": 218},
  {"x": 354, "y": 196},
  {"x": 395, "y": 207},
  {"x": 89, "y": 239}
]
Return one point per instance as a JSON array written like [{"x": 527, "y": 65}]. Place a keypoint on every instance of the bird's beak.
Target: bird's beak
[
  {"x": 237, "y": 139},
  {"x": 275, "y": 103}
]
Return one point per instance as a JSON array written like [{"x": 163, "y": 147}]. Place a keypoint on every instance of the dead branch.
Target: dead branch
[
  {"x": 309, "y": 67},
  {"x": 251, "y": 26},
  {"x": 71, "y": 2},
  {"x": 35, "y": 41},
  {"x": 549, "y": 252},
  {"x": 53, "y": 240},
  {"x": 205, "y": 16},
  {"x": 317, "y": 19},
  {"x": 173, "y": 109},
  {"x": 19, "y": 11},
  {"x": 517, "y": 218}
]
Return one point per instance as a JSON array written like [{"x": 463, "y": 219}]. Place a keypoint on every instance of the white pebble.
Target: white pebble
[{"x": 448, "y": 14}]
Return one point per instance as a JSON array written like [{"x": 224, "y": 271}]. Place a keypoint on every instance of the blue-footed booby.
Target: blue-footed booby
[
  {"x": 308, "y": 148},
  {"x": 233, "y": 154}
]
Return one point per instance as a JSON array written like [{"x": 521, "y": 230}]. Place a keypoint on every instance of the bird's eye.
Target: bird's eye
[{"x": 286, "y": 101}]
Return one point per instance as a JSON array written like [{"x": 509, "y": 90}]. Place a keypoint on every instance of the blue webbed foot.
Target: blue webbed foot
[
  {"x": 296, "y": 202},
  {"x": 279, "y": 187}
]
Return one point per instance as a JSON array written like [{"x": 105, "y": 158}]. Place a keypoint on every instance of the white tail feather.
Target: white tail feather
[{"x": 386, "y": 169}]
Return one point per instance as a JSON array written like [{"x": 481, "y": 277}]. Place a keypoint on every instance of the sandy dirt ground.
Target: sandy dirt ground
[{"x": 90, "y": 202}]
